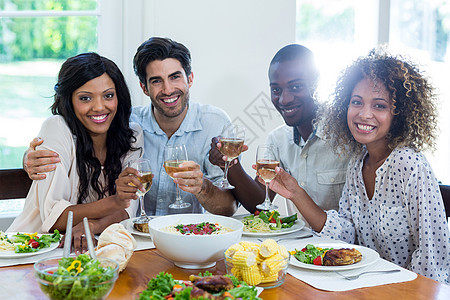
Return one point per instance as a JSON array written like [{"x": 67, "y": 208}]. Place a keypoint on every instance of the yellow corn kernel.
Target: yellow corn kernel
[
  {"x": 268, "y": 248},
  {"x": 248, "y": 245},
  {"x": 273, "y": 265},
  {"x": 232, "y": 249},
  {"x": 243, "y": 259},
  {"x": 259, "y": 258},
  {"x": 283, "y": 251},
  {"x": 270, "y": 278},
  {"x": 251, "y": 275},
  {"x": 236, "y": 272}
]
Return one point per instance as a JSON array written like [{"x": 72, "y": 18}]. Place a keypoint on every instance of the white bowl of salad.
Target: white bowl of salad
[
  {"x": 76, "y": 277},
  {"x": 194, "y": 241}
]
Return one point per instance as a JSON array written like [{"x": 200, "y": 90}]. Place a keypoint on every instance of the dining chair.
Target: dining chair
[
  {"x": 14, "y": 184},
  {"x": 445, "y": 191}
]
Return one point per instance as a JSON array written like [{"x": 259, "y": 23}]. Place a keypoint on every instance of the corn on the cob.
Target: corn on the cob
[
  {"x": 268, "y": 248},
  {"x": 232, "y": 249},
  {"x": 270, "y": 278},
  {"x": 273, "y": 264},
  {"x": 243, "y": 259},
  {"x": 251, "y": 275},
  {"x": 283, "y": 251},
  {"x": 236, "y": 272}
]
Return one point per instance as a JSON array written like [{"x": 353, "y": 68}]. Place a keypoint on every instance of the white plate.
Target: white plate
[
  {"x": 128, "y": 224},
  {"x": 369, "y": 257},
  {"x": 12, "y": 254},
  {"x": 298, "y": 225}
]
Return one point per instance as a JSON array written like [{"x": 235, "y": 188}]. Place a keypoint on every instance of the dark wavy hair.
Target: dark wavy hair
[
  {"x": 157, "y": 48},
  {"x": 74, "y": 73},
  {"x": 413, "y": 102}
]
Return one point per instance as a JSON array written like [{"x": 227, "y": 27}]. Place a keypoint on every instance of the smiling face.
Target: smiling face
[
  {"x": 95, "y": 104},
  {"x": 168, "y": 87},
  {"x": 291, "y": 91},
  {"x": 369, "y": 114}
]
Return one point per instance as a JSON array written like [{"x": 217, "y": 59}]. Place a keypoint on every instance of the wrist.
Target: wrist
[{"x": 204, "y": 188}]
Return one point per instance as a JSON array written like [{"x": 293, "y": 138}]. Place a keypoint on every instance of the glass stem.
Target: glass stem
[
  {"x": 141, "y": 200},
  {"x": 267, "y": 193},
  {"x": 178, "y": 199},
  {"x": 225, "y": 173}
]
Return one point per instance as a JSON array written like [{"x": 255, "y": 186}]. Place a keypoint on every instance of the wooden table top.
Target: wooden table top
[{"x": 146, "y": 264}]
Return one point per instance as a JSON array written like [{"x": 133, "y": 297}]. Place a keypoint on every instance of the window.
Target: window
[
  {"x": 421, "y": 29},
  {"x": 339, "y": 31},
  {"x": 35, "y": 38}
]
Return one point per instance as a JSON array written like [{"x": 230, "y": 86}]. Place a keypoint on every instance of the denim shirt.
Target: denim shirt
[{"x": 201, "y": 124}]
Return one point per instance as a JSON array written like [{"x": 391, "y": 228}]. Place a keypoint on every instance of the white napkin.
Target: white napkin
[
  {"x": 5, "y": 262},
  {"x": 143, "y": 242},
  {"x": 330, "y": 281}
]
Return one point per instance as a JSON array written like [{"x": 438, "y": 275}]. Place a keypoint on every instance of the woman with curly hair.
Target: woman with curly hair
[
  {"x": 91, "y": 133},
  {"x": 383, "y": 113}
]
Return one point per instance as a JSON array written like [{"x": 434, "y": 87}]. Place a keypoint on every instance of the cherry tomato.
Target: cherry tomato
[
  {"x": 318, "y": 261},
  {"x": 33, "y": 243},
  {"x": 272, "y": 220},
  {"x": 304, "y": 250},
  {"x": 256, "y": 213}
]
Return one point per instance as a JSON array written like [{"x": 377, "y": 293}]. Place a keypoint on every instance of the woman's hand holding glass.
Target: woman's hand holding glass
[{"x": 141, "y": 180}]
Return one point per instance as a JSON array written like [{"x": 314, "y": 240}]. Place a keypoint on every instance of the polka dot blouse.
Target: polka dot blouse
[{"x": 405, "y": 219}]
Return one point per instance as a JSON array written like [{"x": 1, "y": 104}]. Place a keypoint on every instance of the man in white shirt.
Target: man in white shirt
[{"x": 304, "y": 153}]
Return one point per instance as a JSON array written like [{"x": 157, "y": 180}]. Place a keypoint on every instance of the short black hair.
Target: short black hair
[
  {"x": 291, "y": 52},
  {"x": 157, "y": 48}
]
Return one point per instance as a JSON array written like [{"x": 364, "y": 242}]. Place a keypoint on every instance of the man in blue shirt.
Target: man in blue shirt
[{"x": 164, "y": 70}]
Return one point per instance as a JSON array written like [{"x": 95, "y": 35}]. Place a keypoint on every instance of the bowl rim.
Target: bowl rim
[
  {"x": 155, "y": 220},
  {"x": 115, "y": 269}
]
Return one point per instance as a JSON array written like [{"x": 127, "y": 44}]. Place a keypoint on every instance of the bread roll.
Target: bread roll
[{"x": 116, "y": 243}]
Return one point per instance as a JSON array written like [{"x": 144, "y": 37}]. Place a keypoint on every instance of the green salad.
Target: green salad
[
  {"x": 311, "y": 254},
  {"x": 77, "y": 278},
  {"x": 267, "y": 221},
  {"x": 162, "y": 286},
  {"x": 26, "y": 242}
]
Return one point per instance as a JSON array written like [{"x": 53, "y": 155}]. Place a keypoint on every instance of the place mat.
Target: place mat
[
  {"x": 330, "y": 281},
  {"x": 142, "y": 244},
  {"x": 5, "y": 262}
]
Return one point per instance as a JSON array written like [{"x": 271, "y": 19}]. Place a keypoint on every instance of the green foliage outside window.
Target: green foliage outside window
[{"x": 27, "y": 38}]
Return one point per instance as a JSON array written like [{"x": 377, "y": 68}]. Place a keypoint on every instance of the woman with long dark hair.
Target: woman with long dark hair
[{"x": 91, "y": 133}]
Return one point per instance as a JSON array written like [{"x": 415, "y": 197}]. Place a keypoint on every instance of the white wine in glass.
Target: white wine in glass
[
  {"x": 267, "y": 159},
  {"x": 232, "y": 141},
  {"x": 174, "y": 156},
  {"x": 145, "y": 176}
]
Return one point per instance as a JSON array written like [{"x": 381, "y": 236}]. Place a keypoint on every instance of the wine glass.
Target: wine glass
[
  {"x": 267, "y": 159},
  {"x": 145, "y": 176},
  {"x": 232, "y": 140},
  {"x": 174, "y": 156}
]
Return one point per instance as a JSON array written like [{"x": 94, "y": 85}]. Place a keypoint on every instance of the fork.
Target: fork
[
  {"x": 354, "y": 277},
  {"x": 291, "y": 238}
]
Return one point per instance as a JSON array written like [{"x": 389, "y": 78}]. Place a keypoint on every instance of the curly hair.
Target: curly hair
[
  {"x": 413, "y": 102},
  {"x": 75, "y": 72}
]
